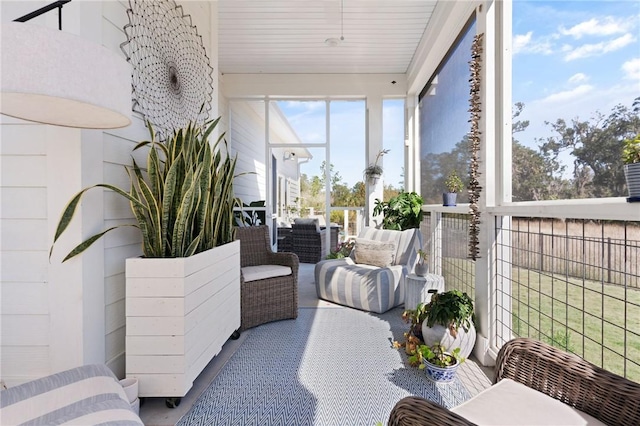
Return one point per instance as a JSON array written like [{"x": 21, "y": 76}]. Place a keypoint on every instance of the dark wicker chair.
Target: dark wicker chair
[
  {"x": 566, "y": 377},
  {"x": 309, "y": 241},
  {"x": 285, "y": 239},
  {"x": 269, "y": 299}
]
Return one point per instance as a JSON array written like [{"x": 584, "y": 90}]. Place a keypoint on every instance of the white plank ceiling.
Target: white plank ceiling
[{"x": 288, "y": 36}]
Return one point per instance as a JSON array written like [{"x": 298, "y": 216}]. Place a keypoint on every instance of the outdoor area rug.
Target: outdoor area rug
[{"x": 330, "y": 366}]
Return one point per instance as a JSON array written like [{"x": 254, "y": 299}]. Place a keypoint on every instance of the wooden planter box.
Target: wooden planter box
[{"x": 179, "y": 314}]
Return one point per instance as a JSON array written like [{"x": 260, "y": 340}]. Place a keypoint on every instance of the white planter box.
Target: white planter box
[{"x": 179, "y": 314}]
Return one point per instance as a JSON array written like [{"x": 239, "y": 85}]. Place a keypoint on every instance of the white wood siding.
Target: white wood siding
[
  {"x": 24, "y": 330},
  {"x": 246, "y": 140},
  {"x": 56, "y": 316}
]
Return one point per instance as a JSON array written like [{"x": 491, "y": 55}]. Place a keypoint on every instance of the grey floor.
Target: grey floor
[{"x": 155, "y": 413}]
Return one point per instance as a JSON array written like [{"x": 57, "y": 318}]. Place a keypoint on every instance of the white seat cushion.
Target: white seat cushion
[
  {"x": 512, "y": 403},
  {"x": 261, "y": 272}
]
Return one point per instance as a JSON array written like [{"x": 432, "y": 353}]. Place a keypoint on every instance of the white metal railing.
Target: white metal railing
[
  {"x": 561, "y": 271},
  {"x": 351, "y": 228},
  {"x": 352, "y": 223}
]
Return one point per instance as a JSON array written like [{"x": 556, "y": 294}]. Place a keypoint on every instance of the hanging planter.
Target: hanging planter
[
  {"x": 373, "y": 178},
  {"x": 373, "y": 171}
]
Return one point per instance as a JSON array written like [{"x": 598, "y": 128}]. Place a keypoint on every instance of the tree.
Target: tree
[
  {"x": 596, "y": 145},
  {"x": 534, "y": 176},
  {"x": 435, "y": 168},
  {"x": 336, "y": 179}
]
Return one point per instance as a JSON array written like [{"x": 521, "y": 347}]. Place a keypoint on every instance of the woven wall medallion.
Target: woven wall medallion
[{"x": 172, "y": 78}]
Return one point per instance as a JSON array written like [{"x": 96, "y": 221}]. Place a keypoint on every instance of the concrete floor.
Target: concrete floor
[{"x": 155, "y": 413}]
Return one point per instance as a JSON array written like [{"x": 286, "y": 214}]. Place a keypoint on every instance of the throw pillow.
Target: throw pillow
[{"x": 374, "y": 253}]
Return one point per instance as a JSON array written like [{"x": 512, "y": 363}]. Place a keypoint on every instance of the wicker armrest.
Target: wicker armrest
[
  {"x": 284, "y": 259},
  {"x": 566, "y": 377},
  {"x": 416, "y": 411}
]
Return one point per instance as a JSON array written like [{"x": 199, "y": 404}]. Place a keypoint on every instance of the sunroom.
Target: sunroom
[{"x": 301, "y": 85}]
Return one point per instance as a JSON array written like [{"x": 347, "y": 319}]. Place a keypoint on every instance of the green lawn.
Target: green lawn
[{"x": 594, "y": 320}]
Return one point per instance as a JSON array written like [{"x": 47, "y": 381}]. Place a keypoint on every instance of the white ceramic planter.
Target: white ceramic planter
[
  {"x": 179, "y": 314},
  {"x": 440, "y": 334},
  {"x": 130, "y": 386}
]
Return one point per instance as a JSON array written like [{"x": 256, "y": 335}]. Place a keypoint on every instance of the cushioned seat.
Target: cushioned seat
[
  {"x": 86, "y": 395},
  {"x": 535, "y": 384},
  {"x": 268, "y": 280},
  {"x": 263, "y": 272},
  {"x": 371, "y": 280}
]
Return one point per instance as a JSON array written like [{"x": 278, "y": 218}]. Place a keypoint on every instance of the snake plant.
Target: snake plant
[{"x": 183, "y": 201}]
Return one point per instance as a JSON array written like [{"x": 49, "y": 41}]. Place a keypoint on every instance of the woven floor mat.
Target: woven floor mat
[{"x": 330, "y": 366}]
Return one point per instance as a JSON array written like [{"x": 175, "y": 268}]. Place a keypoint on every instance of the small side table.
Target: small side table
[{"x": 416, "y": 289}]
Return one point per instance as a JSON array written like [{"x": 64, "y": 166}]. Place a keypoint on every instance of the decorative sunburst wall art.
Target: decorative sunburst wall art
[
  {"x": 475, "y": 189},
  {"x": 172, "y": 78}
]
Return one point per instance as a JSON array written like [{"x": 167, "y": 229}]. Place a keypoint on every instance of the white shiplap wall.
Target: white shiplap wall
[
  {"x": 23, "y": 211},
  {"x": 246, "y": 140},
  {"x": 56, "y": 316}
]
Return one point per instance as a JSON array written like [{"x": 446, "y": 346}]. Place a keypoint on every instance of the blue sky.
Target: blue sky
[
  {"x": 348, "y": 136},
  {"x": 571, "y": 59}
]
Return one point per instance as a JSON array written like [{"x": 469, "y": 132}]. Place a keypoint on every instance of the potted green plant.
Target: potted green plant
[
  {"x": 415, "y": 318},
  {"x": 422, "y": 268},
  {"x": 440, "y": 365},
  {"x": 373, "y": 171},
  {"x": 183, "y": 202},
  {"x": 412, "y": 338},
  {"x": 631, "y": 160},
  {"x": 449, "y": 321},
  {"x": 401, "y": 212},
  {"x": 343, "y": 250},
  {"x": 183, "y": 293},
  {"x": 453, "y": 185}
]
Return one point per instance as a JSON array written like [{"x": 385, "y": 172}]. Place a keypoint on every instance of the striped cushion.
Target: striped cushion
[
  {"x": 90, "y": 394},
  {"x": 367, "y": 287}
]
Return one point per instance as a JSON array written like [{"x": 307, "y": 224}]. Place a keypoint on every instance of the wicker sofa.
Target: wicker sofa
[
  {"x": 535, "y": 383},
  {"x": 86, "y": 395},
  {"x": 362, "y": 285}
]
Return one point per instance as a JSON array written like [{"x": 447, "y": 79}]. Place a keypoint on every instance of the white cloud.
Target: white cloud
[
  {"x": 578, "y": 78},
  {"x": 567, "y": 95},
  {"x": 524, "y": 43},
  {"x": 595, "y": 27},
  {"x": 520, "y": 41},
  {"x": 632, "y": 69},
  {"x": 596, "y": 49}
]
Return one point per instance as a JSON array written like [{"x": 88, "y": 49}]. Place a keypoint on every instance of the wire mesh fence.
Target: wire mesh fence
[{"x": 574, "y": 284}]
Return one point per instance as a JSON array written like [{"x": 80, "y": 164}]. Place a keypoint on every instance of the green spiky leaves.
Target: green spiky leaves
[{"x": 183, "y": 202}]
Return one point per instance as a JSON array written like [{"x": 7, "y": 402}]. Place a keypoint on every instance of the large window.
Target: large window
[
  {"x": 576, "y": 82},
  {"x": 346, "y": 142},
  {"x": 444, "y": 122}
]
